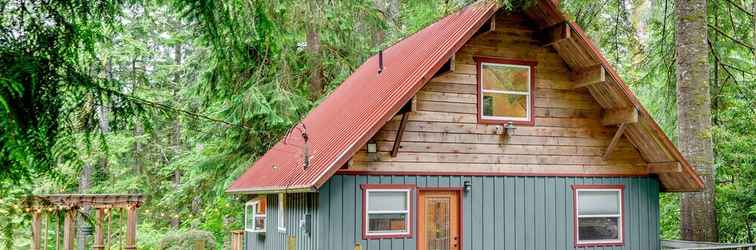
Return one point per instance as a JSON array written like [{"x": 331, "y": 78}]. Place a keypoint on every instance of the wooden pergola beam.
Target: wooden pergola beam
[
  {"x": 615, "y": 140},
  {"x": 619, "y": 116},
  {"x": 68, "y": 229},
  {"x": 99, "y": 243},
  {"x": 36, "y": 230},
  {"x": 664, "y": 167},
  {"x": 556, "y": 33},
  {"x": 588, "y": 76},
  {"x": 131, "y": 218}
]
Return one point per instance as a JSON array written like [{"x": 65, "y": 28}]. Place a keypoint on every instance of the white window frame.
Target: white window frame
[
  {"x": 407, "y": 212},
  {"x": 254, "y": 203},
  {"x": 282, "y": 212},
  {"x": 527, "y": 94},
  {"x": 619, "y": 216}
]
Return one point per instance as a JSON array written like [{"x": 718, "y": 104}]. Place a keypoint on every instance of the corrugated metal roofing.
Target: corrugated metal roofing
[{"x": 361, "y": 105}]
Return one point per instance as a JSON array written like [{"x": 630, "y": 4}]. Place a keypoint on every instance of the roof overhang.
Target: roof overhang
[{"x": 338, "y": 128}]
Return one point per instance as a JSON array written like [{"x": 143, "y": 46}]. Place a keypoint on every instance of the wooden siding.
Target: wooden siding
[
  {"x": 443, "y": 134},
  {"x": 501, "y": 212},
  {"x": 298, "y": 205}
]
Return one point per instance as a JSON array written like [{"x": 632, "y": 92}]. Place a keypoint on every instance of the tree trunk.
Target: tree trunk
[
  {"x": 390, "y": 11},
  {"x": 138, "y": 127},
  {"x": 313, "y": 49},
  {"x": 176, "y": 133},
  {"x": 698, "y": 215}
]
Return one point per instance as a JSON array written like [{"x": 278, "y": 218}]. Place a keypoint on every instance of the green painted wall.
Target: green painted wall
[
  {"x": 298, "y": 205},
  {"x": 499, "y": 213}
]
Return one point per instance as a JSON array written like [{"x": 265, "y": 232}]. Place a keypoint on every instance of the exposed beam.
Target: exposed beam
[
  {"x": 452, "y": 64},
  {"x": 619, "y": 116},
  {"x": 588, "y": 76},
  {"x": 492, "y": 23},
  {"x": 664, "y": 167},
  {"x": 399, "y": 134},
  {"x": 615, "y": 140},
  {"x": 554, "y": 34}
]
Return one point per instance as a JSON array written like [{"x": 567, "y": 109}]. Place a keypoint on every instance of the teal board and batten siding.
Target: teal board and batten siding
[
  {"x": 297, "y": 206},
  {"x": 503, "y": 212}
]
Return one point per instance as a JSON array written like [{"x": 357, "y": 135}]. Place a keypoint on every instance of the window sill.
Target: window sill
[
  {"x": 599, "y": 244},
  {"x": 388, "y": 236},
  {"x": 489, "y": 121}
]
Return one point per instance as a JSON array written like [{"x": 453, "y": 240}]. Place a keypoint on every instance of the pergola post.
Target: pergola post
[
  {"x": 68, "y": 229},
  {"x": 131, "y": 228},
  {"x": 99, "y": 243},
  {"x": 36, "y": 230}
]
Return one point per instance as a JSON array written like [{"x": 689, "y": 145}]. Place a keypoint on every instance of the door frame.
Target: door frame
[{"x": 461, "y": 192}]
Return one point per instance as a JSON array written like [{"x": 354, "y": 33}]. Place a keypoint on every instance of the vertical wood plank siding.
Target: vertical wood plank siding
[
  {"x": 298, "y": 205},
  {"x": 502, "y": 212}
]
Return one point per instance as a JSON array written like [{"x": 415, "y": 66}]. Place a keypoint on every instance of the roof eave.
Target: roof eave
[{"x": 272, "y": 190}]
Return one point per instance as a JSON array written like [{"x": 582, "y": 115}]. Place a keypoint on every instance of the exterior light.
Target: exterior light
[
  {"x": 509, "y": 128},
  {"x": 467, "y": 185},
  {"x": 372, "y": 147}
]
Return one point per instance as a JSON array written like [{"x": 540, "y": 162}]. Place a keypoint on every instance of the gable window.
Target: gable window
[
  {"x": 505, "y": 90},
  {"x": 598, "y": 215},
  {"x": 254, "y": 215},
  {"x": 386, "y": 211},
  {"x": 282, "y": 212}
]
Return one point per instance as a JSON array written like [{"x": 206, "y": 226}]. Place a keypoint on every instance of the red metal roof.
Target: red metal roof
[{"x": 361, "y": 105}]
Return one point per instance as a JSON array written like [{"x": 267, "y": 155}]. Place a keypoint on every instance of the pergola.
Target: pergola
[{"x": 71, "y": 203}]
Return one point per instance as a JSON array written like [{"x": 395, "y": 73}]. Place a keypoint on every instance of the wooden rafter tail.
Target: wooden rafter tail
[
  {"x": 615, "y": 140},
  {"x": 588, "y": 76},
  {"x": 620, "y": 116},
  {"x": 664, "y": 167},
  {"x": 555, "y": 34}
]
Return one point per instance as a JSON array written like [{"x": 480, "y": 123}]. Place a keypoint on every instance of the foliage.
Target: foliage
[
  {"x": 49, "y": 84},
  {"x": 196, "y": 90},
  {"x": 187, "y": 240}
]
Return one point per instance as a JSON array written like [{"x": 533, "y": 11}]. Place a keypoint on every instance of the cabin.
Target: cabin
[{"x": 489, "y": 129}]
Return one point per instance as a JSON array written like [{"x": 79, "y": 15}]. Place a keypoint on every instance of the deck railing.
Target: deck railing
[{"x": 699, "y": 245}]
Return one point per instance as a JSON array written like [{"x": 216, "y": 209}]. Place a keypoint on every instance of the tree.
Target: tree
[{"x": 698, "y": 213}]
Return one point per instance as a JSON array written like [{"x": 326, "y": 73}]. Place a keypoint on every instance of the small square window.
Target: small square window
[
  {"x": 505, "y": 90},
  {"x": 387, "y": 211},
  {"x": 598, "y": 212},
  {"x": 254, "y": 215}
]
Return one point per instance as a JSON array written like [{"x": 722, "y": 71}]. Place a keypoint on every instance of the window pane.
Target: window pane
[
  {"x": 505, "y": 77},
  {"x": 387, "y": 201},
  {"x": 250, "y": 216},
  {"x": 598, "y": 229},
  {"x": 387, "y": 222},
  {"x": 259, "y": 223},
  {"x": 509, "y": 105},
  {"x": 262, "y": 206},
  {"x": 598, "y": 202}
]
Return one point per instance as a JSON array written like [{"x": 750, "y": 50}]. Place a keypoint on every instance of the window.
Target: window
[
  {"x": 598, "y": 213},
  {"x": 387, "y": 211},
  {"x": 505, "y": 90},
  {"x": 282, "y": 212},
  {"x": 254, "y": 215}
]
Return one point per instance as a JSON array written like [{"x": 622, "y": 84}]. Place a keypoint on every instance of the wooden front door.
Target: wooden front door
[{"x": 438, "y": 220}]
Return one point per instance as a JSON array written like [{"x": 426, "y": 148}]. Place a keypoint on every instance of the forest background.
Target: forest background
[{"x": 175, "y": 98}]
